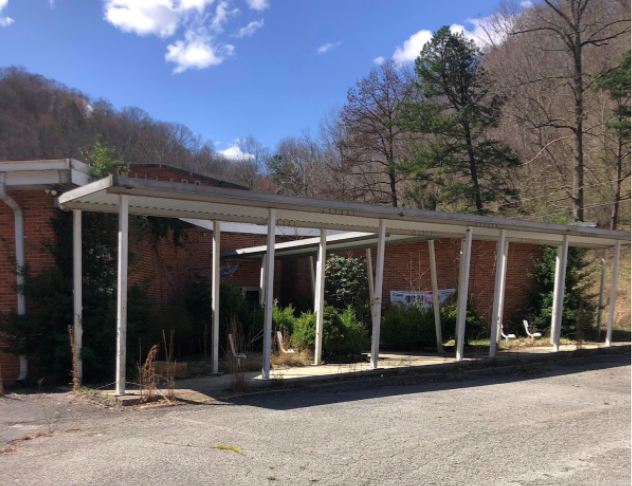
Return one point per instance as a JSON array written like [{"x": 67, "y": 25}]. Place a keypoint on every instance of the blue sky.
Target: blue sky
[{"x": 226, "y": 69}]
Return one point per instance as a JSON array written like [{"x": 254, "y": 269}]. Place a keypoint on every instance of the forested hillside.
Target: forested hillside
[{"x": 531, "y": 119}]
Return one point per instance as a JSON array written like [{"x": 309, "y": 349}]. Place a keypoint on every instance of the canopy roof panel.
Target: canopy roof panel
[
  {"x": 309, "y": 246},
  {"x": 174, "y": 200}
]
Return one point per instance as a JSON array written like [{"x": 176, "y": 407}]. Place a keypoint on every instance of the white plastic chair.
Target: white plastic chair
[
  {"x": 506, "y": 337},
  {"x": 232, "y": 349},
  {"x": 280, "y": 339},
  {"x": 531, "y": 335}
]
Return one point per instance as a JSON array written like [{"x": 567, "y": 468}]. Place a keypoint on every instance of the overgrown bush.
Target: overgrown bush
[
  {"x": 283, "y": 319},
  {"x": 475, "y": 328},
  {"x": 579, "y": 303},
  {"x": 346, "y": 281},
  {"x": 411, "y": 327},
  {"x": 343, "y": 334},
  {"x": 414, "y": 327}
]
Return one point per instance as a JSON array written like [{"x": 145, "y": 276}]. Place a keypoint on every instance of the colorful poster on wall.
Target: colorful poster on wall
[{"x": 423, "y": 299}]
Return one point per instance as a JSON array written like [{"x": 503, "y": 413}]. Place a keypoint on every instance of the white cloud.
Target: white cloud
[
  {"x": 259, "y": 5},
  {"x": 143, "y": 17},
  {"x": 5, "y": 21},
  {"x": 234, "y": 153},
  {"x": 379, "y": 60},
  {"x": 222, "y": 14},
  {"x": 485, "y": 31},
  {"x": 198, "y": 23},
  {"x": 197, "y": 51},
  {"x": 200, "y": 5},
  {"x": 327, "y": 47},
  {"x": 526, "y": 4},
  {"x": 411, "y": 48},
  {"x": 249, "y": 30}
]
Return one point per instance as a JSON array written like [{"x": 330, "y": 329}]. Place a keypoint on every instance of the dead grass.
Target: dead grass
[
  {"x": 148, "y": 377},
  {"x": 234, "y": 449},
  {"x": 281, "y": 360},
  {"x": 76, "y": 383},
  {"x": 13, "y": 446}
]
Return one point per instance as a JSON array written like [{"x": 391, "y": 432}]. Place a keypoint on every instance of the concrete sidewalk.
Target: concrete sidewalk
[{"x": 212, "y": 387}]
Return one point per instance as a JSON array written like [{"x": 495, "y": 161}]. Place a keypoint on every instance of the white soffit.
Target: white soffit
[{"x": 166, "y": 199}]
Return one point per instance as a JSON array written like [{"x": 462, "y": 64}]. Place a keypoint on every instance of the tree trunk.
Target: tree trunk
[
  {"x": 473, "y": 173},
  {"x": 617, "y": 191},
  {"x": 578, "y": 165},
  {"x": 391, "y": 169}
]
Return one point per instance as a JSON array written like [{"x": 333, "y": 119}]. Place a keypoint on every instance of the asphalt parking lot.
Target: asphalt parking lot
[{"x": 549, "y": 424}]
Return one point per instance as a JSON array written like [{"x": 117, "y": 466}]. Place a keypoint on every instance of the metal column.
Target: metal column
[
  {"x": 269, "y": 271},
  {"x": 464, "y": 277},
  {"x": 435, "y": 294},
  {"x": 121, "y": 294},
  {"x": 613, "y": 292},
  {"x": 215, "y": 284},
  {"x": 319, "y": 297}
]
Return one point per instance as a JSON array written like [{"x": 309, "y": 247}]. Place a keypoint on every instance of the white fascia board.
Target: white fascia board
[
  {"x": 45, "y": 172},
  {"x": 204, "y": 202},
  {"x": 256, "y": 229}
]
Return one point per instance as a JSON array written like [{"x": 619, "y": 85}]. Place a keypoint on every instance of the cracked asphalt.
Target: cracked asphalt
[{"x": 550, "y": 424}]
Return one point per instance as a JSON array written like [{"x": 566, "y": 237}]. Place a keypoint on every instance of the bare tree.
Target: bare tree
[
  {"x": 576, "y": 25},
  {"x": 374, "y": 139}
]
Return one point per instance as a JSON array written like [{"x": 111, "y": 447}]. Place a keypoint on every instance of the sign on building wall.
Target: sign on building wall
[{"x": 422, "y": 299}]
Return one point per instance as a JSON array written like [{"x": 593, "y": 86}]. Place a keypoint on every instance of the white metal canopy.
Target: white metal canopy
[
  {"x": 166, "y": 199},
  {"x": 124, "y": 195}
]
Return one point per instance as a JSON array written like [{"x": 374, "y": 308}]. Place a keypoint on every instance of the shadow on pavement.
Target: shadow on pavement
[{"x": 327, "y": 394}]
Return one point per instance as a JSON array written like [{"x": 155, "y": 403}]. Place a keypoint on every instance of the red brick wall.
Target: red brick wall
[
  {"x": 38, "y": 208},
  {"x": 407, "y": 268}
]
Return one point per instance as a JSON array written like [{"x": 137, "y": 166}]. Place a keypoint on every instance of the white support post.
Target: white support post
[
  {"x": 558, "y": 293},
  {"x": 78, "y": 290},
  {"x": 435, "y": 294},
  {"x": 215, "y": 284},
  {"x": 558, "y": 260},
  {"x": 464, "y": 277},
  {"x": 499, "y": 288},
  {"x": 602, "y": 289},
  {"x": 613, "y": 292},
  {"x": 262, "y": 282},
  {"x": 319, "y": 300},
  {"x": 376, "y": 305},
  {"x": 312, "y": 276},
  {"x": 501, "y": 306},
  {"x": 121, "y": 294},
  {"x": 267, "y": 323},
  {"x": 369, "y": 273}
]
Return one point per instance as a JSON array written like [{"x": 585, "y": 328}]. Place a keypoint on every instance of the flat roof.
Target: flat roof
[{"x": 174, "y": 200}]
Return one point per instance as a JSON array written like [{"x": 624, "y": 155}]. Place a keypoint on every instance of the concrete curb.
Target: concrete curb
[{"x": 482, "y": 366}]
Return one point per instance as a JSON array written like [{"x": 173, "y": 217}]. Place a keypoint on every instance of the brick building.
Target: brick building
[{"x": 34, "y": 185}]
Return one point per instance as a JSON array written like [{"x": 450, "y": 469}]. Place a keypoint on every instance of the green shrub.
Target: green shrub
[
  {"x": 410, "y": 327},
  {"x": 346, "y": 281},
  {"x": 343, "y": 334},
  {"x": 579, "y": 306},
  {"x": 414, "y": 327},
  {"x": 475, "y": 328},
  {"x": 283, "y": 319}
]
